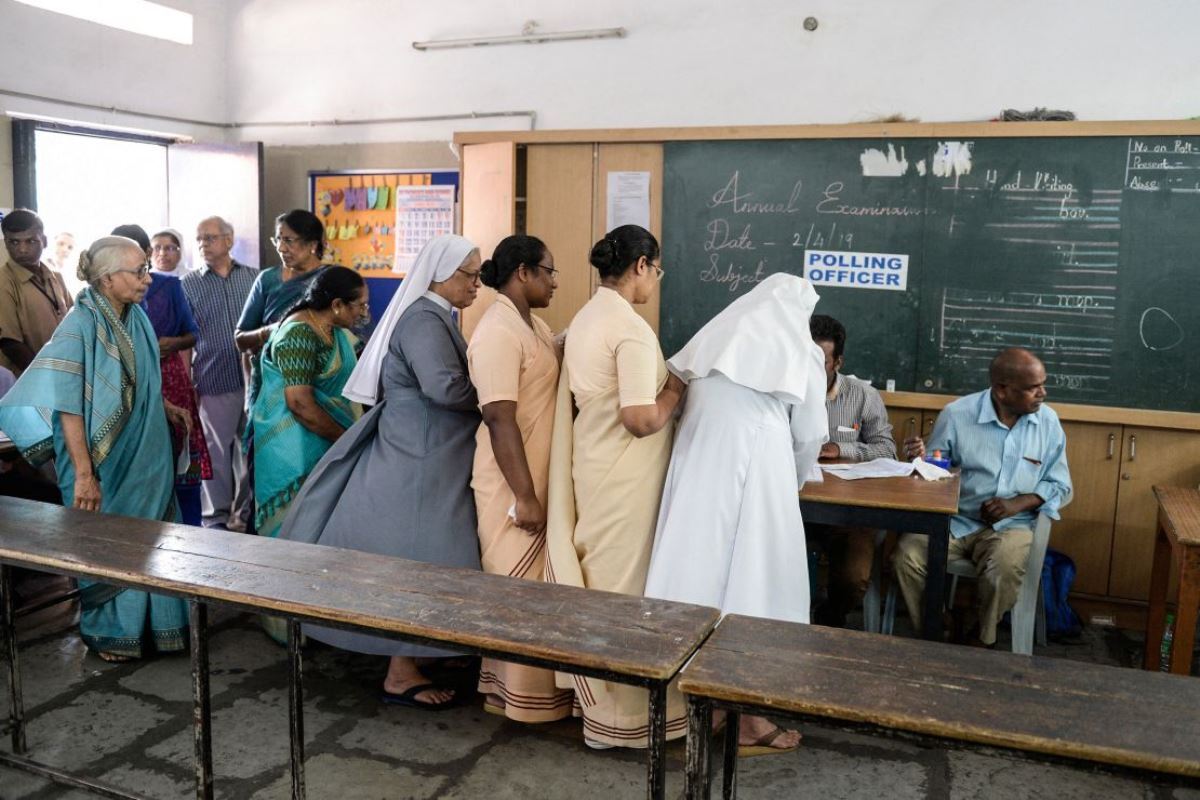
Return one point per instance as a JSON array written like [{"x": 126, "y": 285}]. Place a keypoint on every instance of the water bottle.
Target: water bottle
[{"x": 1164, "y": 652}]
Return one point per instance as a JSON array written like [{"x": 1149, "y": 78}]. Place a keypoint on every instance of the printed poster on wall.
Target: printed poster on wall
[
  {"x": 359, "y": 210},
  {"x": 422, "y": 212}
]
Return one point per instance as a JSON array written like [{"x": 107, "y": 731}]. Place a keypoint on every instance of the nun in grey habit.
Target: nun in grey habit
[{"x": 398, "y": 482}]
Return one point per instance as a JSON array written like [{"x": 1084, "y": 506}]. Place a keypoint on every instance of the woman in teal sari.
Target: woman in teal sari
[
  {"x": 300, "y": 411},
  {"x": 92, "y": 400}
]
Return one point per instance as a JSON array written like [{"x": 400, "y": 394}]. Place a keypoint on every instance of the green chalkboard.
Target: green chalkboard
[{"x": 1085, "y": 250}]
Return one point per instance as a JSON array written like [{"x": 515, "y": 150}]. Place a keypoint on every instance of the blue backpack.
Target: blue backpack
[{"x": 1058, "y": 573}]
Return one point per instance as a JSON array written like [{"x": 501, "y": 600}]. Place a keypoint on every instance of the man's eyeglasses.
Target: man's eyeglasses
[
  {"x": 209, "y": 238},
  {"x": 473, "y": 277},
  {"x": 289, "y": 241}
]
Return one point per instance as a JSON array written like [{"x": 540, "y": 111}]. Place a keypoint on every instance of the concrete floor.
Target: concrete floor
[{"x": 130, "y": 725}]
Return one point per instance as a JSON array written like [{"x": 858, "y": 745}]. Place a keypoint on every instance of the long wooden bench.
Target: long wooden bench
[
  {"x": 1052, "y": 707},
  {"x": 630, "y": 640}
]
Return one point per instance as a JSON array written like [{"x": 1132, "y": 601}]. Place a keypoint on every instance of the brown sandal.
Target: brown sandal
[
  {"x": 763, "y": 745},
  {"x": 114, "y": 658}
]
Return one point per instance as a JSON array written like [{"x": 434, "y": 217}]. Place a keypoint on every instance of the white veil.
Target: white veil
[
  {"x": 761, "y": 340},
  {"x": 437, "y": 262}
]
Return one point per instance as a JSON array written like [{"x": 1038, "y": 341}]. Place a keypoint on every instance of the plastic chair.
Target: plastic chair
[{"x": 1028, "y": 616}]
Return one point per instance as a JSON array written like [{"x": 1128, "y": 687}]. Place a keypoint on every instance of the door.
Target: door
[
  {"x": 223, "y": 180},
  {"x": 489, "y": 210},
  {"x": 558, "y": 184},
  {"x": 1149, "y": 457},
  {"x": 1085, "y": 532}
]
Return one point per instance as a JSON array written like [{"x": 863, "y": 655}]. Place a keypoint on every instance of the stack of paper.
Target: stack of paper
[{"x": 886, "y": 468}]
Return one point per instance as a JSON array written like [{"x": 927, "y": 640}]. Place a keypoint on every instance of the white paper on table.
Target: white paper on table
[
  {"x": 887, "y": 468},
  {"x": 814, "y": 475},
  {"x": 879, "y": 468},
  {"x": 628, "y": 199},
  {"x": 930, "y": 472}
]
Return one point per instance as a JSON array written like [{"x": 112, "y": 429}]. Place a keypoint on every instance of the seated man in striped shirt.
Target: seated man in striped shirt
[{"x": 859, "y": 430}]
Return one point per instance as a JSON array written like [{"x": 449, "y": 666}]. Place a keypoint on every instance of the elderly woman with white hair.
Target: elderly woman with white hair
[
  {"x": 398, "y": 482},
  {"x": 92, "y": 400}
]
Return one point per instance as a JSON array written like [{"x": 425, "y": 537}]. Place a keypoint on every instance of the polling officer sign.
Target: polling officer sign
[{"x": 856, "y": 270}]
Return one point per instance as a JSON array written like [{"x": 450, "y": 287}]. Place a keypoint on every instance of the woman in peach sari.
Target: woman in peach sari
[{"x": 514, "y": 366}]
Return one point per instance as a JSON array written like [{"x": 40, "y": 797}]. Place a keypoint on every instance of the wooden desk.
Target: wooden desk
[
  {"x": 632, "y": 640},
  {"x": 1052, "y": 707},
  {"x": 1178, "y": 535},
  {"x": 909, "y": 505}
]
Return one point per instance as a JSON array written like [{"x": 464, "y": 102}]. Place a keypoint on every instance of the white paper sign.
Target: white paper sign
[
  {"x": 422, "y": 212},
  {"x": 628, "y": 199},
  {"x": 856, "y": 270}
]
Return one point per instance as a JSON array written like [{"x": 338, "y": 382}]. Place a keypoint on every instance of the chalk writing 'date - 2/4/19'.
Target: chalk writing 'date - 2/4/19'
[{"x": 720, "y": 237}]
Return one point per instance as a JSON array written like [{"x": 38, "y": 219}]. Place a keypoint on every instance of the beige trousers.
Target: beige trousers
[{"x": 1000, "y": 560}]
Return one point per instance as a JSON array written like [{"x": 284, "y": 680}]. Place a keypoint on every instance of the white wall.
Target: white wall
[
  {"x": 50, "y": 54},
  {"x": 687, "y": 62}
]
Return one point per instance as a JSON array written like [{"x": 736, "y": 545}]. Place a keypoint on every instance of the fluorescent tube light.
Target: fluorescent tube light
[
  {"x": 135, "y": 16},
  {"x": 523, "y": 38}
]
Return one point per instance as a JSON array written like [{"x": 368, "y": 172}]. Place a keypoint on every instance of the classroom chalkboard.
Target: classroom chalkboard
[{"x": 936, "y": 253}]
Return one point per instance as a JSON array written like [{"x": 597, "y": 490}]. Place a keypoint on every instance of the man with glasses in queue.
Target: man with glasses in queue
[
  {"x": 33, "y": 296},
  {"x": 217, "y": 291}
]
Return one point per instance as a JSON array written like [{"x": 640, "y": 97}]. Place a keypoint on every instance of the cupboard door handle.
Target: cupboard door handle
[
  {"x": 1112, "y": 445},
  {"x": 1132, "y": 447},
  {"x": 910, "y": 428}
]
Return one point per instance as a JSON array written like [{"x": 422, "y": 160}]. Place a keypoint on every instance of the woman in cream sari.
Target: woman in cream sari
[{"x": 607, "y": 464}]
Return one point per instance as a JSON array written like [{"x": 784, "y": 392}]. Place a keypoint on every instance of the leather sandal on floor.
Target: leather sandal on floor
[{"x": 762, "y": 746}]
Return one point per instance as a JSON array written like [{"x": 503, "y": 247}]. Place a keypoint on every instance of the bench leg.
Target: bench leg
[
  {"x": 201, "y": 707},
  {"x": 296, "y": 708},
  {"x": 1156, "y": 616},
  {"x": 656, "y": 779},
  {"x": 733, "y": 721},
  {"x": 1185, "y": 619},
  {"x": 698, "y": 777},
  {"x": 8, "y": 628}
]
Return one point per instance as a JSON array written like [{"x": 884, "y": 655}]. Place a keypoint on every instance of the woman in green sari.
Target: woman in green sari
[
  {"x": 92, "y": 400},
  {"x": 300, "y": 410}
]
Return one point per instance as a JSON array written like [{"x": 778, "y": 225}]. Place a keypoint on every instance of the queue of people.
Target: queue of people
[{"x": 585, "y": 459}]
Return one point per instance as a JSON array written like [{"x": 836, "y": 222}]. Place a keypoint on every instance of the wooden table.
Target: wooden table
[
  {"x": 1053, "y": 707},
  {"x": 631, "y": 640},
  {"x": 1178, "y": 535},
  {"x": 909, "y": 505}
]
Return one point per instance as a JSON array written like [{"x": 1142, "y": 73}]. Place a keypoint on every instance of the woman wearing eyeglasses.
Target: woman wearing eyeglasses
[
  {"x": 399, "y": 481},
  {"x": 612, "y": 458},
  {"x": 93, "y": 401},
  {"x": 514, "y": 366},
  {"x": 300, "y": 241},
  {"x": 171, "y": 317}
]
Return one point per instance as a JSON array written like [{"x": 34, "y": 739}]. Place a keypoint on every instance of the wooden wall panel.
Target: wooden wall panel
[
  {"x": 489, "y": 174},
  {"x": 644, "y": 157},
  {"x": 558, "y": 211}
]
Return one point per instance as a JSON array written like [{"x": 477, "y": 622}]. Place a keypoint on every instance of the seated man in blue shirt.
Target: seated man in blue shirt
[{"x": 1012, "y": 454}]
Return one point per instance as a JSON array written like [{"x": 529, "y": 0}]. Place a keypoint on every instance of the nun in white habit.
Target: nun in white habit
[
  {"x": 398, "y": 482},
  {"x": 729, "y": 531}
]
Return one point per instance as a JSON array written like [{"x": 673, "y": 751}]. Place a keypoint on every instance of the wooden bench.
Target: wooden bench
[
  {"x": 1177, "y": 539},
  {"x": 1051, "y": 707},
  {"x": 630, "y": 640}
]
